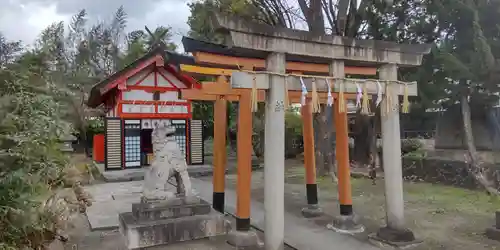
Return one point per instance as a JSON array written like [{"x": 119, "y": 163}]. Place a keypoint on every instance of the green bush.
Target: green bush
[
  {"x": 410, "y": 145},
  {"x": 31, "y": 166},
  {"x": 95, "y": 126},
  {"x": 293, "y": 122},
  {"x": 293, "y": 133}
]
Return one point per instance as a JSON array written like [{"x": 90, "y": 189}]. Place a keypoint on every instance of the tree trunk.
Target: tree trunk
[
  {"x": 323, "y": 142},
  {"x": 475, "y": 167},
  {"x": 258, "y": 136},
  {"x": 362, "y": 139},
  {"x": 232, "y": 117},
  {"x": 365, "y": 141},
  {"x": 318, "y": 138},
  {"x": 374, "y": 149},
  {"x": 329, "y": 144}
]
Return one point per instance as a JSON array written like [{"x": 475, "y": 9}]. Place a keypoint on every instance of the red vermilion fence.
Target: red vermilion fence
[{"x": 98, "y": 148}]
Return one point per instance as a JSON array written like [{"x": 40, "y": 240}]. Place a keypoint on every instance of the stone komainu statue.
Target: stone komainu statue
[{"x": 168, "y": 162}]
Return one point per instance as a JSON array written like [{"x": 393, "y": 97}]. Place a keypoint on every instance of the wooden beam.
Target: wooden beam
[
  {"x": 193, "y": 69},
  {"x": 211, "y": 91},
  {"x": 233, "y": 96},
  {"x": 222, "y": 87},
  {"x": 244, "y": 80},
  {"x": 203, "y": 57},
  {"x": 205, "y": 70}
]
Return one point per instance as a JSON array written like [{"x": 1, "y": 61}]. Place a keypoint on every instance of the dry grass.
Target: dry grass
[{"x": 444, "y": 217}]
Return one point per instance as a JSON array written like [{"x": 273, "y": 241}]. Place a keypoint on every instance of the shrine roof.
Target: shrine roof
[
  {"x": 304, "y": 45},
  {"x": 194, "y": 45},
  {"x": 171, "y": 60}
]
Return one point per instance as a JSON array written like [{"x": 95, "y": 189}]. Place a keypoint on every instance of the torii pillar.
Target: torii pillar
[{"x": 280, "y": 42}]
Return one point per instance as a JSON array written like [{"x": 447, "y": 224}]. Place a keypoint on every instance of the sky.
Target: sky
[{"x": 24, "y": 19}]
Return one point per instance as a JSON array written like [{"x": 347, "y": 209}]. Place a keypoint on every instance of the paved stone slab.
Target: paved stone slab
[
  {"x": 114, "y": 241},
  {"x": 299, "y": 232},
  {"x": 110, "y": 199},
  {"x": 104, "y": 215},
  {"x": 134, "y": 197}
]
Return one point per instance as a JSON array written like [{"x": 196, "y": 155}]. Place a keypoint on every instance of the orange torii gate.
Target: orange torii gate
[{"x": 220, "y": 92}]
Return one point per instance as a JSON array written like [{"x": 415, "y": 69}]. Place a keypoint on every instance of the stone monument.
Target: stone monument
[
  {"x": 168, "y": 162},
  {"x": 164, "y": 217}
]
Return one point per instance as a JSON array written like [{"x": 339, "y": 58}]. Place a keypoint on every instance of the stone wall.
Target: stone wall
[
  {"x": 447, "y": 172},
  {"x": 485, "y": 128}
]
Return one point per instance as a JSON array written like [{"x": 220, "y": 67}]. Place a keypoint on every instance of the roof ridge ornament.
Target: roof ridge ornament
[{"x": 157, "y": 41}]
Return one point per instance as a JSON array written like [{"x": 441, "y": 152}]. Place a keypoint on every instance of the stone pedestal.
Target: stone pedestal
[
  {"x": 494, "y": 231},
  {"x": 396, "y": 238},
  {"x": 242, "y": 239},
  {"x": 154, "y": 223},
  {"x": 312, "y": 211},
  {"x": 348, "y": 224}
]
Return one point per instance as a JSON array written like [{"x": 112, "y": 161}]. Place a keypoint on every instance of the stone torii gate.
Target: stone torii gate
[{"x": 279, "y": 42}]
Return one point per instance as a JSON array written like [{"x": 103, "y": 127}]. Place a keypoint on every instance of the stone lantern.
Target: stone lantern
[{"x": 67, "y": 143}]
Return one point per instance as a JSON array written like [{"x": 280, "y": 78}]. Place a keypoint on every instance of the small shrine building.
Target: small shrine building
[{"x": 145, "y": 93}]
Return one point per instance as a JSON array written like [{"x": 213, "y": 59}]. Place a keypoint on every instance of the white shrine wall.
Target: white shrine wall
[
  {"x": 149, "y": 79},
  {"x": 172, "y": 96},
  {"x": 140, "y": 92},
  {"x": 172, "y": 80},
  {"x": 137, "y": 94},
  {"x": 138, "y": 108}
]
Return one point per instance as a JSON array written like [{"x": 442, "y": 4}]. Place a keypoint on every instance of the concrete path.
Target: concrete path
[
  {"x": 113, "y": 198},
  {"x": 299, "y": 232},
  {"x": 110, "y": 199},
  {"x": 81, "y": 238}
]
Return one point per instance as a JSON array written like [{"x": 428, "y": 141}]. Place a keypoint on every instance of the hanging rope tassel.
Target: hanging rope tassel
[
  {"x": 365, "y": 107},
  {"x": 315, "y": 98},
  {"x": 359, "y": 95},
  {"x": 287, "y": 99},
  {"x": 379, "y": 94},
  {"x": 254, "y": 95},
  {"x": 304, "y": 92},
  {"x": 341, "y": 99},
  {"x": 329, "y": 100},
  {"x": 388, "y": 99},
  {"x": 406, "y": 102}
]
